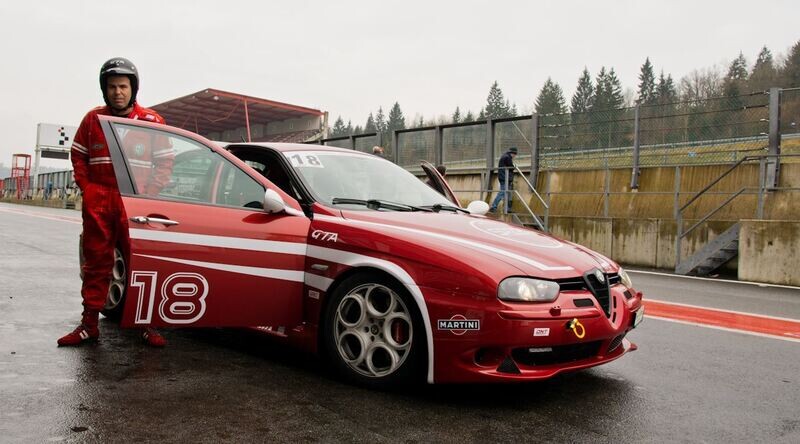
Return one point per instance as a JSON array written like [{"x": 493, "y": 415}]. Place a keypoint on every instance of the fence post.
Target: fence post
[
  {"x": 678, "y": 216},
  {"x": 762, "y": 169},
  {"x": 774, "y": 161},
  {"x": 606, "y": 192},
  {"x": 534, "y": 174},
  {"x": 635, "y": 171},
  {"x": 437, "y": 147},
  {"x": 396, "y": 148},
  {"x": 352, "y": 142},
  {"x": 489, "y": 153}
]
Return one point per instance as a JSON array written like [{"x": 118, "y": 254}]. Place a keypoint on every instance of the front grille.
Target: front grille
[
  {"x": 589, "y": 282},
  {"x": 558, "y": 354},
  {"x": 599, "y": 288}
]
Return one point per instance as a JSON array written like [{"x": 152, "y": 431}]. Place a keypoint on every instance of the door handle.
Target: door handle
[{"x": 155, "y": 220}]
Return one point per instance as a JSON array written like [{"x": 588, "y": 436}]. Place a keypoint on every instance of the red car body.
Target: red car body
[{"x": 212, "y": 264}]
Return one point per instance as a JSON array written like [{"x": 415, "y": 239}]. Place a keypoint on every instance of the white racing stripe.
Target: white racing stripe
[
  {"x": 272, "y": 273},
  {"x": 239, "y": 243},
  {"x": 466, "y": 242}
]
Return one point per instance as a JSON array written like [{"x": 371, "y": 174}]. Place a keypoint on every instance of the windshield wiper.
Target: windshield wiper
[
  {"x": 439, "y": 207},
  {"x": 377, "y": 204}
]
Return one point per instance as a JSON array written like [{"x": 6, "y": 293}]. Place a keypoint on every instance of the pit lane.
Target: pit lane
[{"x": 686, "y": 382}]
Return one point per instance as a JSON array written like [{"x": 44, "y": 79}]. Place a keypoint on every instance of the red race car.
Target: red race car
[{"x": 351, "y": 256}]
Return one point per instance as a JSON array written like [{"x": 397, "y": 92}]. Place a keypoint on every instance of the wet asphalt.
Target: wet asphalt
[{"x": 684, "y": 384}]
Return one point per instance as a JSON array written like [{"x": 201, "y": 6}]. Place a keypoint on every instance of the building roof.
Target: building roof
[{"x": 213, "y": 110}]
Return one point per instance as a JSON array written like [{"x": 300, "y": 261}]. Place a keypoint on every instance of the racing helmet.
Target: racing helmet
[{"x": 119, "y": 66}]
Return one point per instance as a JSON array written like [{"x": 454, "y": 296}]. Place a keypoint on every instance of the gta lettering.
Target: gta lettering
[
  {"x": 324, "y": 236},
  {"x": 183, "y": 297}
]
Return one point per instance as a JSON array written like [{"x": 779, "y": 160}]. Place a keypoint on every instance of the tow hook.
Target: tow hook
[{"x": 576, "y": 327}]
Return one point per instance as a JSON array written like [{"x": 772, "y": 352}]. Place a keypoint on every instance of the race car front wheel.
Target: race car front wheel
[{"x": 372, "y": 332}]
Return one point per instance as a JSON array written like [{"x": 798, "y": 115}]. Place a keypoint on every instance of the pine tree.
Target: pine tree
[
  {"x": 358, "y": 130},
  {"x": 496, "y": 105},
  {"x": 338, "y": 127},
  {"x": 349, "y": 130},
  {"x": 512, "y": 111},
  {"x": 584, "y": 94},
  {"x": 764, "y": 74},
  {"x": 551, "y": 99},
  {"x": 396, "y": 119},
  {"x": 737, "y": 75},
  {"x": 616, "y": 99},
  {"x": 380, "y": 121},
  {"x": 370, "y": 125},
  {"x": 647, "y": 84},
  {"x": 665, "y": 91},
  {"x": 469, "y": 117},
  {"x": 456, "y": 116},
  {"x": 601, "y": 100},
  {"x": 790, "y": 74}
]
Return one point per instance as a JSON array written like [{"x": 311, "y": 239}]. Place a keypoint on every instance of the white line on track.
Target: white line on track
[
  {"x": 759, "y": 284},
  {"x": 68, "y": 219},
  {"x": 743, "y": 313},
  {"x": 716, "y": 327}
]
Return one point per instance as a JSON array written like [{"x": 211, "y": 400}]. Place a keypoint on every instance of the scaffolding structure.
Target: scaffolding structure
[{"x": 21, "y": 173}]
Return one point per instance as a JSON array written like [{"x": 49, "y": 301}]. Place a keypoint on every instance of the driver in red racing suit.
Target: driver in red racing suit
[{"x": 103, "y": 213}]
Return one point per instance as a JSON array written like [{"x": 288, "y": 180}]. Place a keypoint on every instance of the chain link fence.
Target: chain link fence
[{"x": 713, "y": 131}]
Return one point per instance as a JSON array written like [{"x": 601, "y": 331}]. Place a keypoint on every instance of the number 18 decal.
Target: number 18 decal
[{"x": 183, "y": 297}]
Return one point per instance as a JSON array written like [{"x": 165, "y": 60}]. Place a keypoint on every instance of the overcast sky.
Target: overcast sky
[{"x": 350, "y": 57}]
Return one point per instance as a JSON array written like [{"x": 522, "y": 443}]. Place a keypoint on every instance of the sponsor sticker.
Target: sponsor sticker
[
  {"x": 313, "y": 294},
  {"x": 541, "y": 332},
  {"x": 458, "y": 324}
]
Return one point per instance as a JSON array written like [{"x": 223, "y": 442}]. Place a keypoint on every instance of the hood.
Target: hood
[{"x": 488, "y": 242}]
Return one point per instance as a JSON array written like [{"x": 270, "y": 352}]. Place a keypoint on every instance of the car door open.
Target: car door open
[{"x": 200, "y": 250}]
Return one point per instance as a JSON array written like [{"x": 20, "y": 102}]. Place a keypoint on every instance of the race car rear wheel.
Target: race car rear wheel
[
  {"x": 116, "y": 290},
  {"x": 372, "y": 332}
]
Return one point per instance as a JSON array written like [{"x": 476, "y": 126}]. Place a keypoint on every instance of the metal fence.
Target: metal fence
[{"x": 714, "y": 131}]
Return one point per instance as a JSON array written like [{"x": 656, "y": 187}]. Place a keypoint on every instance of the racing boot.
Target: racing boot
[
  {"x": 153, "y": 338},
  {"x": 86, "y": 332}
]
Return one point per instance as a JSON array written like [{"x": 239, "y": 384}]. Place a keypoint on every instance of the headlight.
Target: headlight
[
  {"x": 518, "y": 289},
  {"x": 626, "y": 280}
]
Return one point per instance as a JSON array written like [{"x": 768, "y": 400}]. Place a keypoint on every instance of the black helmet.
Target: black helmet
[{"x": 119, "y": 66}]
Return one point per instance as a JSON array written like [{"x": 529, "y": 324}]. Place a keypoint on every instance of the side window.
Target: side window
[
  {"x": 173, "y": 167},
  {"x": 238, "y": 189}
]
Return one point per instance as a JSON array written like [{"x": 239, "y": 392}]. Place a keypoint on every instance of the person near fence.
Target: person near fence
[
  {"x": 377, "y": 150},
  {"x": 102, "y": 210},
  {"x": 505, "y": 174}
]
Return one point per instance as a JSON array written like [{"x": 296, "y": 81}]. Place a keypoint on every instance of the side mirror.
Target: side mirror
[
  {"x": 273, "y": 202},
  {"x": 478, "y": 207}
]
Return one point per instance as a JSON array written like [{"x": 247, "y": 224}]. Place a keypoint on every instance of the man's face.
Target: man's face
[{"x": 118, "y": 91}]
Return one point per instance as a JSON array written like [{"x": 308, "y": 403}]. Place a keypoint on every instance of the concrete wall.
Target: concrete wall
[
  {"x": 768, "y": 251},
  {"x": 582, "y": 193}
]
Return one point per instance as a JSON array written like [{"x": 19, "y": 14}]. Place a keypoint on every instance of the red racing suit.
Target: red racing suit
[{"x": 102, "y": 210}]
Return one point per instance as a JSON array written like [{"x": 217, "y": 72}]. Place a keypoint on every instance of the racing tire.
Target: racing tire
[
  {"x": 372, "y": 332},
  {"x": 115, "y": 300}
]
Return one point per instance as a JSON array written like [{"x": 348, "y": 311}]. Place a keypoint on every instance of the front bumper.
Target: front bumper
[{"x": 524, "y": 342}]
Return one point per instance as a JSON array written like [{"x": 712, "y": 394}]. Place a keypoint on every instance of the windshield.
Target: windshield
[{"x": 337, "y": 175}]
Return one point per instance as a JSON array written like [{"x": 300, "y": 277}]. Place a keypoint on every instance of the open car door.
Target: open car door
[
  {"x": 200, "y": 250},
  {"x": 438, "y": 182}
]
